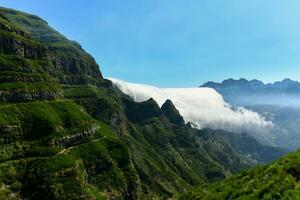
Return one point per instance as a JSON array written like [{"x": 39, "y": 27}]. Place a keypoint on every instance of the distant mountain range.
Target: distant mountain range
[
  {"x": 253, "y": 86},
  {"x": 253, "y": 92},
  {"x": 278, "y": 102}
]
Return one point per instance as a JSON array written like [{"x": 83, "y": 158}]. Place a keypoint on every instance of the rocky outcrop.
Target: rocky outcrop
[
  {"x": 71, "y": 79},
  {"x": 70, "y": 140},
  {"x": 27, "y": 95},
  {"x": 16, "y": 41},
  {"x": 73, "y": 62},
  {"x": 14, "y": 46}
]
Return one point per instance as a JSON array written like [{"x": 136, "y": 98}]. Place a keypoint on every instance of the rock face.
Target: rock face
[
  {"x": 71, "y": 63},
  {"x": 16, "y": 41},
  {"x": 27, "y": 95},
  {"x": 71, "y": 140},
  {"x": 20, "y": 78},
  {"x": 21, "y": 48}
]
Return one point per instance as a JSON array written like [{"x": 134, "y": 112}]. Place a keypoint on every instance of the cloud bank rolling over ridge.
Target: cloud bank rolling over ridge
[{"x": 203, "y": 107}]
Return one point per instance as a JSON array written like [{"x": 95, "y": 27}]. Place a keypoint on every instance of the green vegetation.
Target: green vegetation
[
  {"x": 20, "y": 38},
  {"x": 68, "y": 56},
  {"x": 84, "y": 91},
  {"x": 279, "y": 180},
  {"x": 20, "y": 64},
  {"x": 28, "y": 86},
  {"x": 88, "y": 165},
  {"x": 67, "y": 133}
]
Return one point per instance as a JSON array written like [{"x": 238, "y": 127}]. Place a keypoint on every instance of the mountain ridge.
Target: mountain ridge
[
  {"x": 67, "y": 133},
  {"x": 247, "y": 86}
]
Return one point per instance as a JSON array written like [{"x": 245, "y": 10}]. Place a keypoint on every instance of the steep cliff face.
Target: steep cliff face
[
  {"x": 72, "y": 65},
  {"x": 50, "y": 147},
  {"x": 21, "y": 76},
  {"x": 14, "y": 40},
  {"x": 67, "y": 133}
]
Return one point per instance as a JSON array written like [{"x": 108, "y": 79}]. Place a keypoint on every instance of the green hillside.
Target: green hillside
[
  {"x": 67, "y": 133},
  {"x": 279, "y": 180}
]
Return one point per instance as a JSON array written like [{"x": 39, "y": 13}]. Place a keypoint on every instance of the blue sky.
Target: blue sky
[{"x": 178, "y": 43}]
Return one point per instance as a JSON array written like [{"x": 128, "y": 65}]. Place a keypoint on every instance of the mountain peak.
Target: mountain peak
[
  {"x": 73, "y": 65},
  {"x": 172, "y": 113}
]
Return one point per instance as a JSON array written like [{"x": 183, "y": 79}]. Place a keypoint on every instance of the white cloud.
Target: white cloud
[{"x": 203, "y": 107}]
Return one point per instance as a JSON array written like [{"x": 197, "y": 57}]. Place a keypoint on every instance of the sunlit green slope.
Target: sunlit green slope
[{"x": 279, "y": 180}]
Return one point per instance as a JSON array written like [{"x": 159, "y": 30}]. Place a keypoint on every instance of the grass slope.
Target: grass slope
[{"x": 278, "y": 180}]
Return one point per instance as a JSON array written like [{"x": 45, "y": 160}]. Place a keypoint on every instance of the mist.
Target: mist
[
  {"x": 280, "y": 99},
  {"x": 202, "y": 107}
]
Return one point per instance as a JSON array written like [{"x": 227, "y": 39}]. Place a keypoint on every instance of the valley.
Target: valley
[{"x": 277, "y": 102}]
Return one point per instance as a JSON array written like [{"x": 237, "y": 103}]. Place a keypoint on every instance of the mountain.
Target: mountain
[
  {"x": 199, "y": 107},
  {"x": 68, "y": 133},
  {"x": 278, "y": 102},
  {"x": 278, "y": 180},
  {"x": 284, "y": 86},
  {"x": 172, "y": 113},
  {"x": 253, "y": 92}
]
